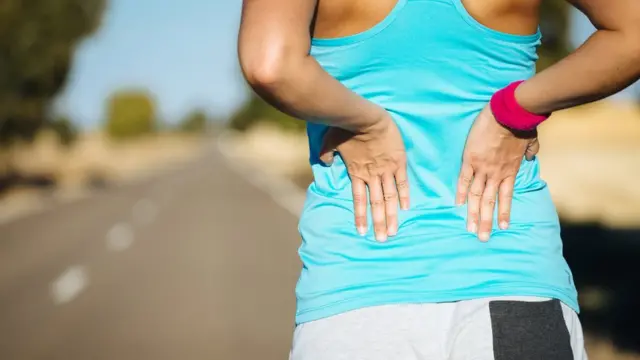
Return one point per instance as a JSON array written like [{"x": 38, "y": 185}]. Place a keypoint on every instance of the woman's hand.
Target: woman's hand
[
  {"x": 491, "y": 161},
  {"x": 375, "y": 159}
]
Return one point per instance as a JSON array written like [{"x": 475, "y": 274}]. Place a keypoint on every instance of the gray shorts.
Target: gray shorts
[{"x": 506, "y": 328}]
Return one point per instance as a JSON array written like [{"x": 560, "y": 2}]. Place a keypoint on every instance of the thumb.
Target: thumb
[
  {"x": 532, "y": 149},
  {"x": 328, "y": 148}
]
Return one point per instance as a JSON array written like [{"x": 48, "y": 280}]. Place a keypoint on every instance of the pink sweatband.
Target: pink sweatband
[{"x": 510, "y": 114}]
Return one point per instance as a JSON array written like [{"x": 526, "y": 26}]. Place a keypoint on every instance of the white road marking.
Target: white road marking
[
  {"x": 144, "y": 211},
  {"x": 69, "y": 285},
  {"x": 120, "y": 237},
  {"x": 282, "y": 190}
]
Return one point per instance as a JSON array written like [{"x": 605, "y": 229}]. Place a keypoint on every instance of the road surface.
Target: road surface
[
  {"x": 194, "y": 264},
  {"x": 199, "y": 263}
]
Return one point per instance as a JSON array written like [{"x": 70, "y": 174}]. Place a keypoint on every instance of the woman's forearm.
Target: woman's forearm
[
  {"x": 606, "y": 63},
  {"x": 304, "y": 90},
  {"x": 274, "y": 55}
]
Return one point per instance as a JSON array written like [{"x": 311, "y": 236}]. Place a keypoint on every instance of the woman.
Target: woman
[{"x": 419, "y": 105}]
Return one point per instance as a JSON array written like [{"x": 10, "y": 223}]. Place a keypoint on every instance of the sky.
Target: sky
[{"x": 183, "y": 52}]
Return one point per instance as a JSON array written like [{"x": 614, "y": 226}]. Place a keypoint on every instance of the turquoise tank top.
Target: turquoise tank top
[{"x": 433, "y": 67}]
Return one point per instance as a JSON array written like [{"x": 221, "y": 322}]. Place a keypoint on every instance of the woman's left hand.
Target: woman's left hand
[{"x": 491, "y": 160}]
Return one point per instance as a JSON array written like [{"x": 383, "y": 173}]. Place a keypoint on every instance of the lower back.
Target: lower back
[{"x": 433, "y": 67}]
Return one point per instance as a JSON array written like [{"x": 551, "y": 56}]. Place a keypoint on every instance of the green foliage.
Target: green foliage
[
  {"x": 65, "y": 129},
  {"x": 256, "y": 110},
  {"x": 37, "y": 42},
  {"x": 130, "y": 114},
  {"x": 554, "y": 24},
  {"x": 195, "y": 122}
]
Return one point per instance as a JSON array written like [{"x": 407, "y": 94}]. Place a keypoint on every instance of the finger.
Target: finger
[
  {"x": 464, "y": 181},
  {"x": 473, "y": 202},
  {"x": 327, "y": 157},
  {"x": 532, "y": 149},
  {"x": 391, "y": 203},
  {"x": 376, "y": 197},
  {"x": 327, "y": 154},
  {"x": 360, "y": 204},
  {"x": 487, "y": 206},
  {"x": 402, "y": 184},
  {"x": 328, "y": 148},
  {"x": 505, "y": 196}
]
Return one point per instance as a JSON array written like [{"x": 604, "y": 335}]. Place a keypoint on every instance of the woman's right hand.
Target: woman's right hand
[{"x": 375, "y": 159}]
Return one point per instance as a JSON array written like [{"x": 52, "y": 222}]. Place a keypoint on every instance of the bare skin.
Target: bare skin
[
  {"x": 274, "y": 54},
  {"x": 337, "y": 18}
]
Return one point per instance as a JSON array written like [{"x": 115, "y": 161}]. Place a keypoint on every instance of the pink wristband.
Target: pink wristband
[{"x": 510, "y": 114}]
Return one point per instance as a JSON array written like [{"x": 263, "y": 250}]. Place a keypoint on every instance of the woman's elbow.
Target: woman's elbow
[{"x": 265, "y": 67}]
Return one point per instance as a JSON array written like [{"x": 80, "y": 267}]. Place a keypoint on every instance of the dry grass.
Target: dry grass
[
  {"x": 92, "y": 161},
  {"x": 599, "y": 349},
  {"x": 94, "y": 155},
  {"x": 590, "y": 156},
  {"x": 277, "y": 152}
]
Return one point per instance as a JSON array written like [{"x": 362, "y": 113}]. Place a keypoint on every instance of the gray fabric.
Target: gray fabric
[
  {"x": 512, "y": 328},
  {"x": 529, "y": 331}
]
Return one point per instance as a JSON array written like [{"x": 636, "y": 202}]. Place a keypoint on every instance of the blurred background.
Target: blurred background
[{"x": 148, "y": 201}]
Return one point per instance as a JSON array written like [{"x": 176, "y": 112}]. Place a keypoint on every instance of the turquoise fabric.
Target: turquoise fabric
[{"x": 433, "y": 67}]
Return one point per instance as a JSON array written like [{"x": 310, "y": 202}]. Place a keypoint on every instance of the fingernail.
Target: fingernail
[
  {"x": 392, "y": 232},
  {"x": 504, "y": 225},
  {"x": 381, "y": 238},
  {"x": 484, "y": 236},
  {"x": 473, "y": 228},
  {"x": 362, "y": 231}
]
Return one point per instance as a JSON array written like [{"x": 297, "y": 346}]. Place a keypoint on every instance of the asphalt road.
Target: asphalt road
[{"x": 193, "y": 264}]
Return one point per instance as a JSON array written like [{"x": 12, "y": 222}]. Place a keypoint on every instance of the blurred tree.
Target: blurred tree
[
  {"x": 554, "y": 25},
  {"x": 256, "y": 110},
  {"x": 37, "y": 42},
  {"x": 195, "y": 122},
  {"x": 130, "y": 114},
  {"x": 64, "y": 128}
]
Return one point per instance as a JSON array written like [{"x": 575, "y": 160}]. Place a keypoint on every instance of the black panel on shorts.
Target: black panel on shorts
[{"x": 529, "y": 331}]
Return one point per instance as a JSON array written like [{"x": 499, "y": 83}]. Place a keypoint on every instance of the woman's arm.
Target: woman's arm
[
  {"x": 605, "y": 64},
  {"x": 274, "y": 55}
]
